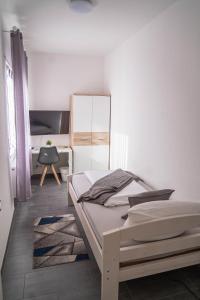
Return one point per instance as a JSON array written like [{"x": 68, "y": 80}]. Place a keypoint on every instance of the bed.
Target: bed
[{"x": 118, "y": 256}]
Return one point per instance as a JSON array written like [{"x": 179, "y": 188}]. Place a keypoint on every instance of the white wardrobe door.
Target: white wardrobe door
[
  {"x": 82, "y": 113},
  {"x": 101, "y": 114},
  {"x": 100, "y": 157},
  {"x": 82, "y": 158}
]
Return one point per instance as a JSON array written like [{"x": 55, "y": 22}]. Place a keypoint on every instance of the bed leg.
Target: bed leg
[
  {"x": 110, "y": 267},
  {"x": 69, "y": 200}
]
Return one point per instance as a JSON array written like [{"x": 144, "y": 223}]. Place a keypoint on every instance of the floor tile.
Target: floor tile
[
  {"x": 20, "y": 244},
  {"x": 17, "y": 265},
  {"x": 80, "y": 280},
  {"x": 181, "y": 296},
  {"x": 82, "y": 295},
  {"x": 154, "y": 287},
  {"x": 83, "y": 275},
  {"x": 13, "y": 288},
  {"x": 45, "y": 297},
  {"x": 124, "y": 293}
]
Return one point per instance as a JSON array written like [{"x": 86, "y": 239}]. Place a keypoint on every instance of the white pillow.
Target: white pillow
[{"x": 158, "y": 220}]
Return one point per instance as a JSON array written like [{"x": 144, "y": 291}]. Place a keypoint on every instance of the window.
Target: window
[{"x": 11, "y": 114}]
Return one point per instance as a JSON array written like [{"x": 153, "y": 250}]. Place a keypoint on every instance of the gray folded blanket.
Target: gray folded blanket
[{"x": 108, "y": 186}]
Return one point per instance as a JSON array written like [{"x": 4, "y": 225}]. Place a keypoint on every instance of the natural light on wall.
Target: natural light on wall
[
  {"x": 11, "y": 114},
  {"x": 119, "y": 151}
]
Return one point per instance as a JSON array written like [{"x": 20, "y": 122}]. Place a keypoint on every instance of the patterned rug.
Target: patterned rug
[{"x": 57, "y": 240}]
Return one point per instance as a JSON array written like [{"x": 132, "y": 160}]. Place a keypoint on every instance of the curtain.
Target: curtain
[{"x": 19, "y": 66}]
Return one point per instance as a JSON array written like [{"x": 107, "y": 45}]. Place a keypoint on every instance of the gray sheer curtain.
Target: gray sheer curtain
[{"x": 19, "y": 66}]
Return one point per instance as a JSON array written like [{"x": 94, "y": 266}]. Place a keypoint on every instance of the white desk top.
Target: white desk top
[{"x": 60, "y": 149}]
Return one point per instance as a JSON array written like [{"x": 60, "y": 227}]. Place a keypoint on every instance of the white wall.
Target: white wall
[
  {"x": 5, "y": 186},
  {"x": 54, "y": 77},
  {"x": 154, "y": 79}
]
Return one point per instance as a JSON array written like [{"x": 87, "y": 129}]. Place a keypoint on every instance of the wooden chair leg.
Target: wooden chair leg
[
  {"x": 55, "y": 174},
  {"x": 43, "y": 175}
]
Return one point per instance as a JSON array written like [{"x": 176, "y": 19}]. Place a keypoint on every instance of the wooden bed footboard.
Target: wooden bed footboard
[{"x": 119, "y": 264}]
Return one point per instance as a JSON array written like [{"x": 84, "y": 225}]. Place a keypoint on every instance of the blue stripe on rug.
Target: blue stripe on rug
[
  {"x": 42, "y": 251},
  {"x": 81, "y": 257},
  {"x": 49, "y": 220}
]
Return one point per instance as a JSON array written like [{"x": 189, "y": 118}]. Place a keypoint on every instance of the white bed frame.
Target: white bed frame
[{"x": 111, "y": 256}]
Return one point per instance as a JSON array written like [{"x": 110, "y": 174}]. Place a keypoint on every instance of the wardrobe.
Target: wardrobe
[{"x": 90, "y": 132}]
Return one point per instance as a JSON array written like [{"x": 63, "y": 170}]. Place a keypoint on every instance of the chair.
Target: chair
[{"x": 48, "y": 156}]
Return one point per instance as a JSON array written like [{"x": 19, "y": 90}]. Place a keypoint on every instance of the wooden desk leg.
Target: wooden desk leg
[
  {"x": 55, "y": 174},
  {"x": 43, "y": 175}
]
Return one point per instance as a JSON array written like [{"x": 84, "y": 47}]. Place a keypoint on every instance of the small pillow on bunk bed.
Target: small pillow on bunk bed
[
  {"x": 154, "y": 221},
  {"x": 149, "y": 196}
]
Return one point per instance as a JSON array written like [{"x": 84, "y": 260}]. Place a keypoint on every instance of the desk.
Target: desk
[{"x": 37, "y": 168}]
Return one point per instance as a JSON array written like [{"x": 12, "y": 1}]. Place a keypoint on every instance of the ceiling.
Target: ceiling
[{"x": 50, "y": 26}]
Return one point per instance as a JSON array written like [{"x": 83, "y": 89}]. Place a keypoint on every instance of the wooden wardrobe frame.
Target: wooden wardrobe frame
[{"x": 115, "y": 262}]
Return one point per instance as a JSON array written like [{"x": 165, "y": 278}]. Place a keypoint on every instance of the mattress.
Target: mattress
[
  {"x": 83, "y": 181},
  {"x": 103, "y": 218},
  {"x": 80, "y": 183}
]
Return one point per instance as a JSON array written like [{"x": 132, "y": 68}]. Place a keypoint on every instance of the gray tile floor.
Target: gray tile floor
[{"x": 79, "y": 280}]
